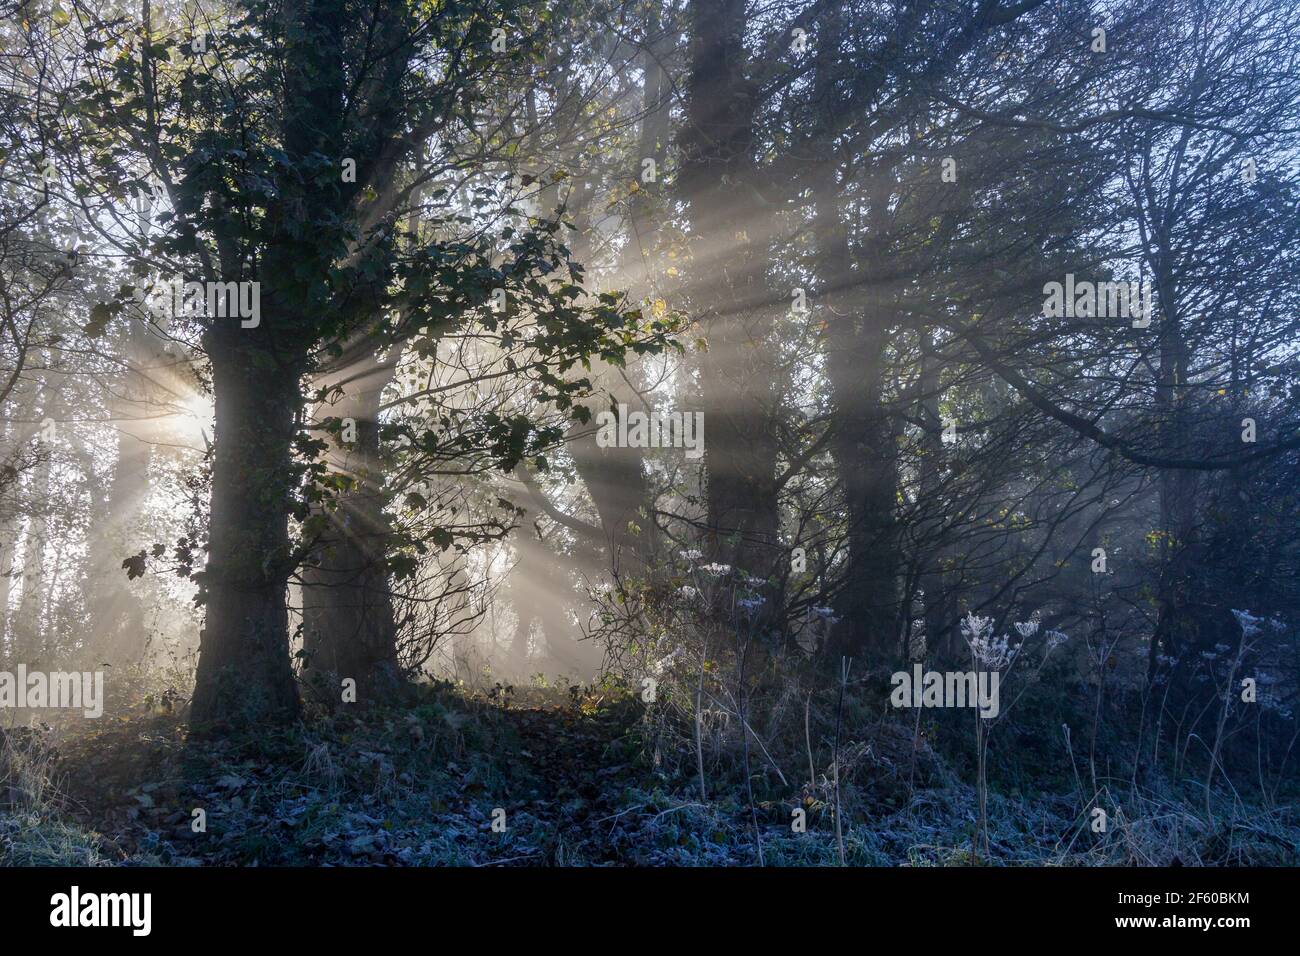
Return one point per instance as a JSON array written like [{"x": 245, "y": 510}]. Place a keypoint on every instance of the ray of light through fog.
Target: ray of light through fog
[{"x": 878, "y": 416}]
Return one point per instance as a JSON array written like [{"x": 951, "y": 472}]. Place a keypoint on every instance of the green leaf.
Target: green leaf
[{"x": 100, "y": 316}]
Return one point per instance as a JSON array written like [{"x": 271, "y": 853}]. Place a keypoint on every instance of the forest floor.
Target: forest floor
[
  {"x": 395, "y": 787},
  {"x": 423, "y": 786}
]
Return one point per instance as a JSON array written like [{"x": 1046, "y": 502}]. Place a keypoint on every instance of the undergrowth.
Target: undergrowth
[{"x": 585, "y": 776}]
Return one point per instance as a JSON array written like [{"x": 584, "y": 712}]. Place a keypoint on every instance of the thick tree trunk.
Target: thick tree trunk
[
  {"x": 741, "y": 452},
  {"x": 864, "y": 441},
  {"x": 347, "y": 606},
  {"x": 244, "y": 675},
  {"x": 864, "y": 447},
  {"x": 729, "y": 296}
]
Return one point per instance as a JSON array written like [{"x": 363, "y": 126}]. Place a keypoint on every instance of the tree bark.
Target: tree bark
[
  {"x": 864, "y": 441},
  {"x": 347, "y": 606},
  {"x": 728, "y": 291},
  {"x": 244, "y": 675}
]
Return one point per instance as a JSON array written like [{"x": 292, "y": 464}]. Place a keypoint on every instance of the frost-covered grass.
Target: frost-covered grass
[
  {"x": 33, "y": 832},
  {"x": 583, "y": 779}
]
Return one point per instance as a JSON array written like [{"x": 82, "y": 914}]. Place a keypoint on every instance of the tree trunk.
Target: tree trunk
[
  {"x": 729, "y": 296},
  {"x": 347, "y": 606},
  {"x": 244, "y": 675},
  {"x": 864, "y": 441}
]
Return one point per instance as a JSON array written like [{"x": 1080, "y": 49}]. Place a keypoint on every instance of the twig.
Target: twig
[
  {"x": 845, "y": 664},
  {"x": 807, "y": 736},
  {"x": 699, "y": 722}
]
